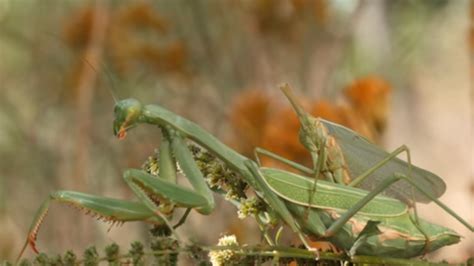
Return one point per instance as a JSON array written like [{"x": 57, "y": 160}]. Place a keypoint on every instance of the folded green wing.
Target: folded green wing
[{"x": 361, "y": 154}]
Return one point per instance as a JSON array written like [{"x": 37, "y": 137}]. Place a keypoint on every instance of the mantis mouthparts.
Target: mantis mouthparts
[{"x": 122, "y": 134}]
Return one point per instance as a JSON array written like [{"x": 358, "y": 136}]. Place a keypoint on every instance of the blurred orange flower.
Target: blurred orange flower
[
  {"x": 369, "y": 102},
  {"x": 250, "y": 112},
  {"x": 284, "y": 18}
]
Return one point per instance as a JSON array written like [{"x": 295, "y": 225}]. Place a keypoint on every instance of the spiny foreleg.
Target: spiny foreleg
[{"x": 105, "y": 209}]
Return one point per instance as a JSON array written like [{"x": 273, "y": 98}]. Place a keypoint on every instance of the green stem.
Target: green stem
[{"x": 289, "y": 252}]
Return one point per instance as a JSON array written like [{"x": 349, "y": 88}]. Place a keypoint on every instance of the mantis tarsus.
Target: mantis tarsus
[{"x": 356, "y": 220}]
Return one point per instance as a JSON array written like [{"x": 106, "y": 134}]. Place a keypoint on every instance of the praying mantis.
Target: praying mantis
[{"x": 329, "y": 203}]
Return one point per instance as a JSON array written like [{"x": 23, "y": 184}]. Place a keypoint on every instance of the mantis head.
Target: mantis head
[
  {"x": 126, "y": 114},
  {"x": 312, "y": 133}
]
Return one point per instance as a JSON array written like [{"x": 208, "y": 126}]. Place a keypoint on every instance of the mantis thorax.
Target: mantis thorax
[{"x": 312, "y": 134}]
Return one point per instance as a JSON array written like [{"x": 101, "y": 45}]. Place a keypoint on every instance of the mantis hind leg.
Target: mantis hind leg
[
  {"x": 106, "y": 209},
  {"x": 380, "y": 164},
  {"x": 416, "y": 222},
  {"x": 435, "y": 200},
  {"x": 358, "y": 180},
  {"x": 379, "y": 189},
  {"x": 281, "y": 159}
]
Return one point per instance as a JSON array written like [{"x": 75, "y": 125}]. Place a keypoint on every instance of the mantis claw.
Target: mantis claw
[
  {"x": 121, "y": 134},
  {"x": 315, "y": 251},
  {"x": 32, "y": 243},
  {"x": 309, "y": 247}
]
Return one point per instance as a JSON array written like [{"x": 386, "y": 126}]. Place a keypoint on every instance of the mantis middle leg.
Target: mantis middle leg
[{"x": 277, "y": 204}]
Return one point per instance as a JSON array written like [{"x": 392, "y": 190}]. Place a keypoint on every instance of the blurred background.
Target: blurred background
[{"x": 398, "y": 72}]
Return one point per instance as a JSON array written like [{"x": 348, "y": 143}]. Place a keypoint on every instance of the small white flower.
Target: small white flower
[
  {"x": 178, "y": 168},
  {"x": 241, "y": 215},
  {"x": 224, "y": 257},
  {"x": 228, "y": 241}
]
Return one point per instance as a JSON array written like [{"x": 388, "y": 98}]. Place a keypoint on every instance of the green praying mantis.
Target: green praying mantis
[{"x": 339, "y": 199}]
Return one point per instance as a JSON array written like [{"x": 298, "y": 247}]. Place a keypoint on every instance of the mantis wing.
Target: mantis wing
[{"x": 361, "y": 154}]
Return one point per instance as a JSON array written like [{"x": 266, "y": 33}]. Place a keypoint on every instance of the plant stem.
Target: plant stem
[{"x": 289, "y": 252}]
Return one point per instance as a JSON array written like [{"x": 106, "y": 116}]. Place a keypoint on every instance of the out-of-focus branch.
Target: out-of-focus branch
[
  {"x": 93, "y": 55},
  {"x": 330, "y": 50}
]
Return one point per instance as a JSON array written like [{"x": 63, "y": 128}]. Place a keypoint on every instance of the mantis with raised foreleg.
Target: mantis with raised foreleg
[{"x": 330, "y": 203}]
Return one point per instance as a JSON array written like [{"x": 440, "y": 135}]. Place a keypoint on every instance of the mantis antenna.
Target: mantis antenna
[{"x": 109, "y": 78}]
